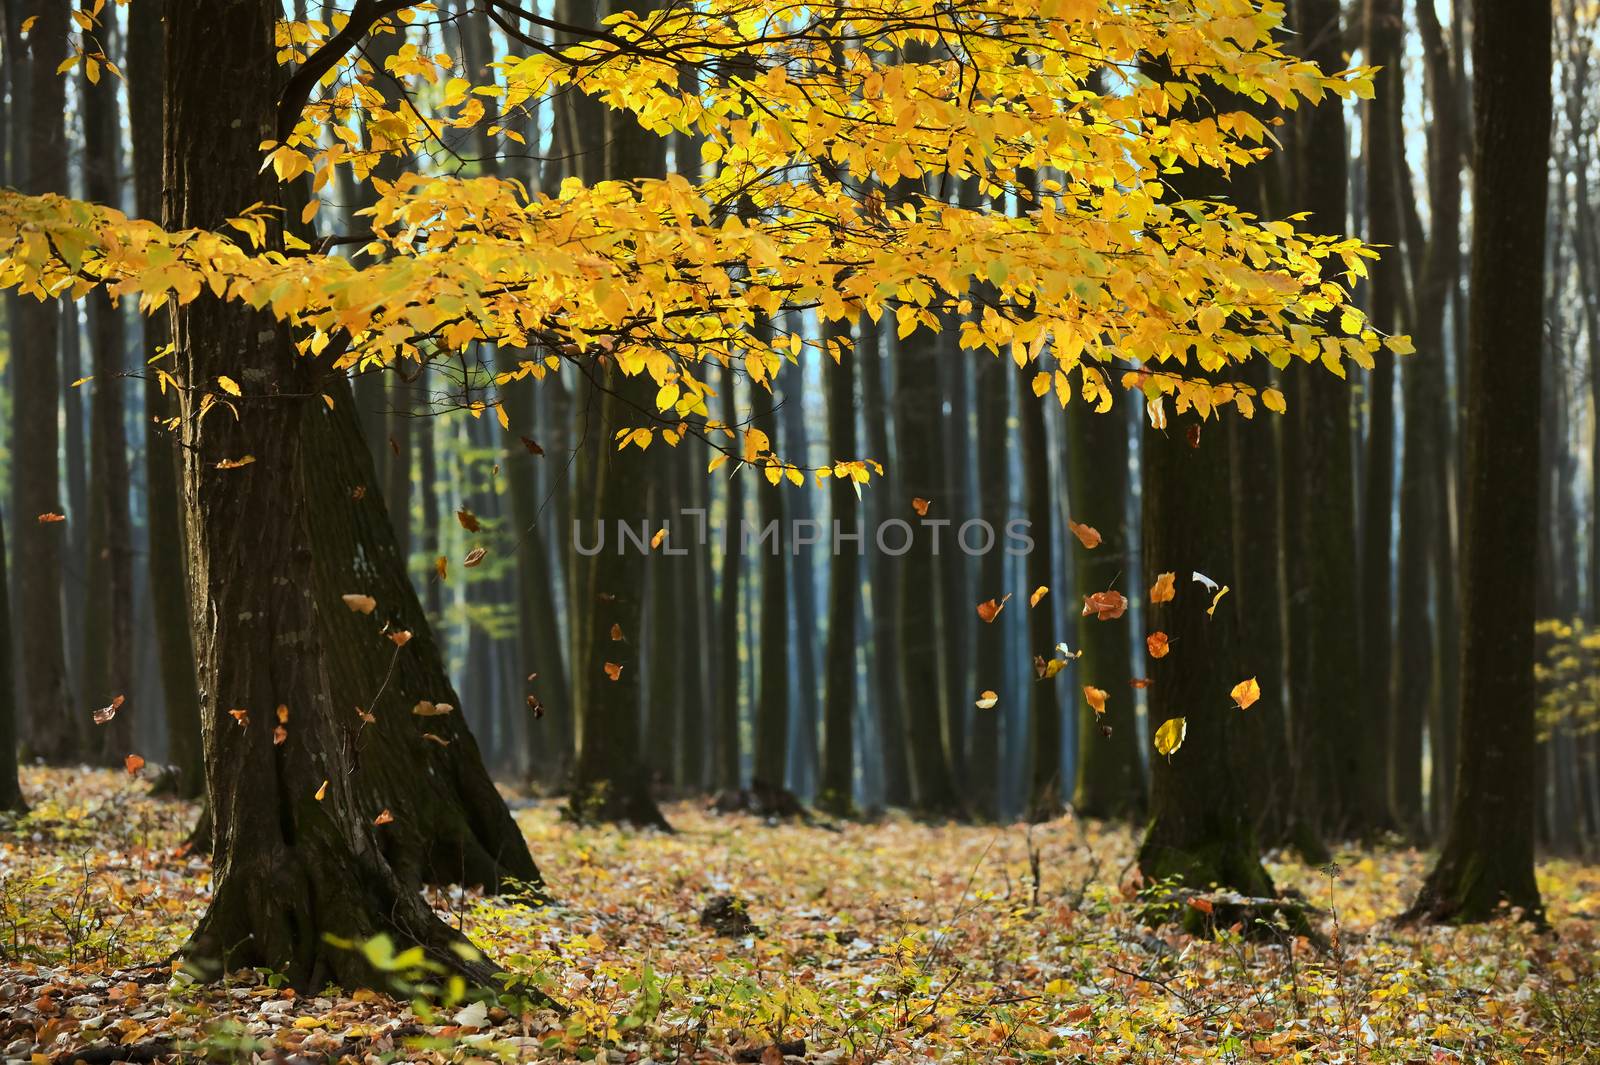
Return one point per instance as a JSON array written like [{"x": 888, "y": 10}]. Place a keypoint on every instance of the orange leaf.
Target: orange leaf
[
  {"x": 1096, "y": 698},
  {"x": 241, "y": 716},
  {"x": 1157, "y": 644},
  {"x": 1038, "y": 594},
  {"x": 279, "y": 735},
  {"x": 441, "y": 566},
  {"x": 360, "y": 604},
  {"x": 616, "y": 631},
  {"x": 921, "y": 506},
  {"x": 385, "y": 818},
  {"x": 1245, "y": 693},
  {"x": 1203, "y": 905},
  {"x": 401, "y": 638},
  {"x": 441, "y": 741},
  {"x": 990, "y": 609},
  {"x": 987, "y": 700},
  {"x": 1165, "y": 589},
  {"x": 1107, "y": 605},
  {"x": 133, "y": 763},
  {"x": 656, "y": 540},
  {"x": 613, "y": 670},
  {"x": 1087, "y": 535},
  {"x": 474, "y": 557},
  {"x": 106, "y": 713},
  {"x": 51, "y": 517},
  {"x": 322, "y": 792},
  {"x": 1139, "y": 682},
  {"x": 366, "y": 717},
  {"x": 469, "y": 520},
  {"x": 283, "y": 714}
]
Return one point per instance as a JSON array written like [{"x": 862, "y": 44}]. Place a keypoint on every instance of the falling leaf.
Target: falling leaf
[
  {"x": 1038, "y": 594},
  {"x": 1066, "y": 652},
  {"x": 283, "y": 714},
  {"x": 441, "y": 566},
  {"x": 440, "y": 740},
  {"x": 1157, "y": 410},
  {"x": 921, "y": 506},
  {"x": 658, "y": 538},
  {"x": 1210, "y": 584},
  {"x": 987, "y": 700},
  {"x": 1087, "y": 535},
  {"x": 394, "y": 446},
  {"x": 1245, "y": 693},
  {"x": 51, "y": 517},
  {"x": 234, "y": 464},
  {"x": 1169, "y": 737},
  {"x": 536, "y": 706},
  {"x": 322, "y": 792},
  {"x": 1096, "y": 698},
  {"x": 1212, "y": 609},
  {"x": 385, "y": 818},
  {"x": 109, "y": 711},
  {"x": 474, "y": 557},
  {"x": 1107, "y": 605},
  {"x": 133, "y": 763},
  {"x": 359, "y": 604},
  {"x": 366, "y": 717},
  {"x": 1193, "y": 436},
  {"x": 1139, "y": 682},
  {"x": 358, "y": 493},
  {"x": 279, "y": 735},
  {"x": 532, "y": 446},
  {"x": 1157, "y": 644},
  {"x": 990, "y": 609},
  {"x": 424, "y": 708},
  {"x": 1165, "y": 589},
  {"x": 1045, "y": 668},
  {"x": 229, "y": 385},
  {"x": 401, "y": 638},
  {"x": 241, "y": 716},
  {"x": 469, "y": 520},
  {"x": 613, "y": 670},
  {"x": 616, "y": 632}
]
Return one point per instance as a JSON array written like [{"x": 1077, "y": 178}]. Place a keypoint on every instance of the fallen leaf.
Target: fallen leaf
[
  {"x": 613, "y": 670},
  {"x": 51, "y": 517},
  {"x": 1170, "y": 736},
  {"x": 1038, "y": 594},
  {"x": 990, "y": 609},
  {"x": 1045, "y": 668},
  {"x": 1245, "y": 693},
  {"x": 385, "y": 818},
  {"x": 1107, "y": 605},
  {"x": 987, "y": 700},
  {"x": 360, "y": 604},
  {"x": 1203, "y": 905},
  {"x": 469, "y": 520},
  {"x": 921, "y": 506},
  {"x": 1165, "y": 589},
  {"x": 474, "y": 557},
  {"x": 1157, "y": 644},
  {"x": 109, "y": 711},
  {"x": 133, "y": 763},
  {"x": 241, "y": 716},
  {"x": 1096, "y": 697},
  {"x": 1087, "y": 535}
]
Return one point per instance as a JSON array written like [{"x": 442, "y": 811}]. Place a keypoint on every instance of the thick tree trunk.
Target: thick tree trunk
[
  {"x": 772, "y": 698},
  {"x": 1045, "y": 790},
  {"x": 996, "y": 672},
  {"x": 108, "y": 613},
  {"x": 1200, "y": 829},
  {"x": 1487, "y": 858},
  {"x": 297, "y": 856},
  {"x": 53, "y": 731},
  {"x": 168, "y": 577},
  {"x": 844, "y": 592},
  {"x": 1110, "y": 777},
  {"x": 806, "y": 673},
  {"x": 726, "y": 771},
  {"x": 11, "y": 799}
]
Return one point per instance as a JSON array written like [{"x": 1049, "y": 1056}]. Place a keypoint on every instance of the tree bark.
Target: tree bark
[
  {"x": 844, "y": 591},
  {"x": 772, "y": 698},
  {"x": 995, "y": 671},
  {"x": 1046, "y": 789},
  {"x": 727, "y": 771},
  {"x": 1487, "y": 859}
]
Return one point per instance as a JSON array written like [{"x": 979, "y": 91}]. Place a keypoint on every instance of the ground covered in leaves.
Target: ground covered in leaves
[{"x": 892, "y": 941}]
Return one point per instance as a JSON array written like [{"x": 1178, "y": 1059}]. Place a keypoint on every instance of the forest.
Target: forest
[{"x": 862, "y": 531}]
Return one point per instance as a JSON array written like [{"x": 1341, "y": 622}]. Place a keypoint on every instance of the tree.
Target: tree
[
  {"x": 1487, "y": 858},
  {"x": 1045, "y": 791},
  {"x": 844, "y": 587}
]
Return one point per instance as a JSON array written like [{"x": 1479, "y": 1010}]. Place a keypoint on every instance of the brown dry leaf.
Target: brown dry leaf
[
  {"x": 1087, "y": 535},
  {"x": 366, "y": 717},
  {"x": 401, "y": 638},
  {"x": 234, "y": 464},
  {"x": 133, "y": 763},
  {"x": 1193, "y": 436},
  {"x": 358, "y": 493},
  {"x": 109, "y": 711},
  {"x": 921, "y": 506},
  {"x": 1096, "y": 697},
  {"x": 1038, "y": 594},
  {"x": 613, "y": 670},
  {"x": 1139, "y": 682},
  {"x": 532, "y": 446},
  {"x": 441, "y": 566},
  {"x": 51, "y": 517},
  {"x": 1157, "y": 644},
  {"x": 536, "y": 706},
  {"x": 616, "y": 632},
  {"x": 990, "y": 609},
  {"x": 1246, "y": 693},
  {"x": 474, "y": 557},
  {"x": 987, "y": 700},
  {"x": 360, "y": 604},
  {"x": 1107, "y": 605},
  {"x": 279, "y": 735},
  {"x": 424, "y": 708},
  {"x": 440, "y": 740},
  {"x": 1165, "y": 589},
  {"x": 469, "y": 520},
  {"x": 385, "y": 818},
  {"x": 1045, "y": 668},
  {"x": 241, "y": 716}
]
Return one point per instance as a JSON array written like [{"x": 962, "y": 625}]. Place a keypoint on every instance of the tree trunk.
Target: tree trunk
[
  {"x": 1110, "y": 777},
  {"x": 1487, "y": 858},
  {"x": 1200, "y": 829},
  {"x": 294, "y": 863},
  {"x": 800, "y": 513},
  {"x": 53, "y": 732},
  {"x": 11, "y": 799},
  {"x": 108, "y": 614},
  {"x": 844, "y": 590},
  {"x": 727, "y": 771},
  {"x": 995, "y": 672},
  {"x": 168, "y": 577},
  {"x": 772, "y": 699},
  {"x": 1045, "y": 791}
]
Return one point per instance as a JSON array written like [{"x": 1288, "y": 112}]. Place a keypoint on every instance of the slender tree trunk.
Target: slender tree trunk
[
  {"x": 1046, "y": 789},
  {"x": 726, "y": 775},
  {"x": 11, "y": 799},
  {"x": 844, "y": 590},
  {"x": 297, "y": 856},
  {"x": 108, "y": 614},
  {"x": 53, "y": 732},
  {"x": 1487, "y": 858},
  {"x": 995, "y": 671},
  {"x": 772, "y": 700},
  {"x": 800, "y": 513}
]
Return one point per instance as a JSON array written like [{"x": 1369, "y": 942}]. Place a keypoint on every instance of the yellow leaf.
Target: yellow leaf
[
  {"x": 1096, "y": 698},
  {"x": 229, "y": 385},
  {"x": 1170, "y": 736},
  {"x": 1165, "y": 589},
  {"x": 987, "y": 700},
  {"x": 1272, "y": 399},
  {"x": 1038, "y": 594},
  {"x": 1245, "y": 693}
]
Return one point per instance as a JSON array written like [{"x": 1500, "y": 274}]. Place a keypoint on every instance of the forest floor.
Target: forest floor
[{"x": 894, "y": 941}]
